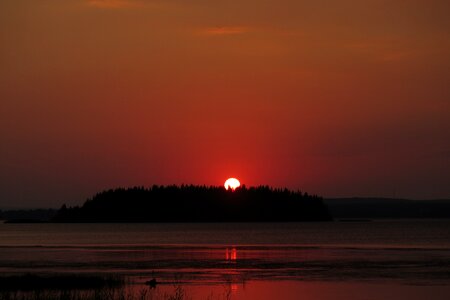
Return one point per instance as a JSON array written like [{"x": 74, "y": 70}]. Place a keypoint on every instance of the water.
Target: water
[{"x": 409, "y": 257}]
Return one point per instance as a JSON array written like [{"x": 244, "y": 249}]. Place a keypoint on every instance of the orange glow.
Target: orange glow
[
  {"x": 169, "y": 92},
  {"x": 232, "y": 183}
]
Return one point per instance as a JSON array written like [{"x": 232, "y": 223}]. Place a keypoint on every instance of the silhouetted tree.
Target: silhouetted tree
[{"x": 189, "y": 203}]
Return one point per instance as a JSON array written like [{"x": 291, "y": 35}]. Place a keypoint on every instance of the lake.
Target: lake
[{"x": 386, "y": 259}]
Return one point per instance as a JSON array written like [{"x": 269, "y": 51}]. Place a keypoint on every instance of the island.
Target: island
[{"x": 191, "y": 203}]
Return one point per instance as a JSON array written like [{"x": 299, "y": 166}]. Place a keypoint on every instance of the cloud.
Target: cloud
[
  {"x": 224, "y": 30},
  {"x": 112, "y": 3}
]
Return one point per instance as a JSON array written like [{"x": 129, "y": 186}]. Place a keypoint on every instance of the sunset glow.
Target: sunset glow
[
  {"x": 348, "y": 98},
  {"x": 122, "y": 118}
]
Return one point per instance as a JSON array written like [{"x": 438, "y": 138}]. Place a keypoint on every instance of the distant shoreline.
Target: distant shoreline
[
  {"x": 341, "y": 209},
  {"x": 387, "y": 208}
]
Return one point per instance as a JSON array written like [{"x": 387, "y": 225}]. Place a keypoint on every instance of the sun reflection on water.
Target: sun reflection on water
[{"x": 231, "y": 254}]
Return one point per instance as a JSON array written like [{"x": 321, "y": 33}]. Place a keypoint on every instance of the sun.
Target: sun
[{"x": 232, "y": 183}]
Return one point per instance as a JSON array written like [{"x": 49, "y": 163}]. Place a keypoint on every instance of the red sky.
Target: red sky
[{"x": 337, "y": 98}]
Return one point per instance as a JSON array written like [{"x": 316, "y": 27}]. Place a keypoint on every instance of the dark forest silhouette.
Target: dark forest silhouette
[
  {"x": 27, "y": 215},
  {"x": 189, "y": 203}
]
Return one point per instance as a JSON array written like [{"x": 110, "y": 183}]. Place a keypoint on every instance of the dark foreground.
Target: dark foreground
[
  {"x": 103, "y": 287},
  {"x": 33, "y": 282}
]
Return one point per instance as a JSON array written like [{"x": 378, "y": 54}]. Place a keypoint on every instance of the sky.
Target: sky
[{"x": 335, "y": 98}]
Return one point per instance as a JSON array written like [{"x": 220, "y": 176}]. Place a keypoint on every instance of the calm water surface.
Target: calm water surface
[{"x": 408, "y": 258}]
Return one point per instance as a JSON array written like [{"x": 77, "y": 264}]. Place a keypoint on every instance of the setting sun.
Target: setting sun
[{"x": 232, "y": 183}]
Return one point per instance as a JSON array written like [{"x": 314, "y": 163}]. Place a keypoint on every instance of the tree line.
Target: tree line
[{"x": 193, "y": 203}]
